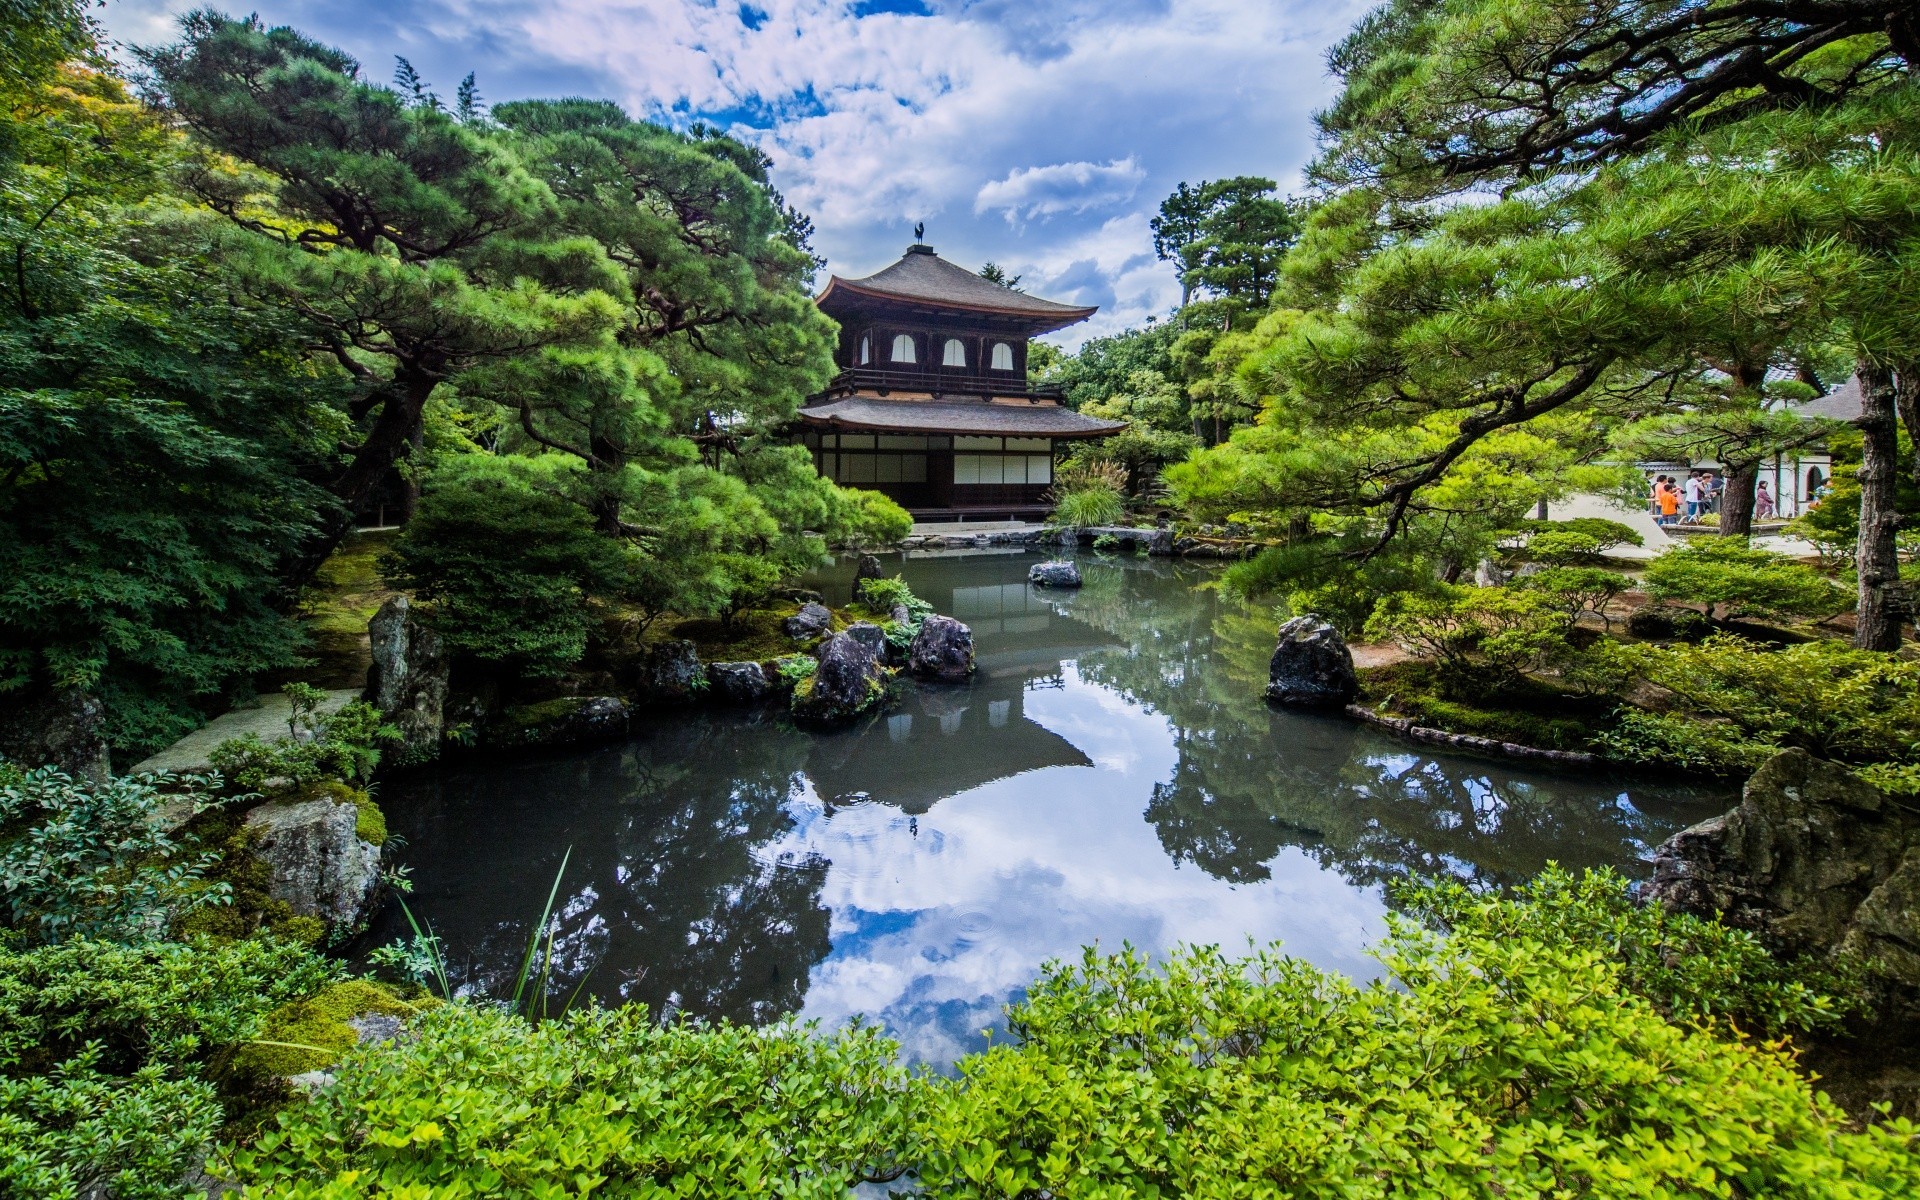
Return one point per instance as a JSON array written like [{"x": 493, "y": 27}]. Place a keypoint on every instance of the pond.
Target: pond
[{"x": 1111, "y": 776}]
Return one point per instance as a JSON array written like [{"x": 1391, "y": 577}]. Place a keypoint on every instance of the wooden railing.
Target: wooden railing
[{"x": 941, "y": 381}]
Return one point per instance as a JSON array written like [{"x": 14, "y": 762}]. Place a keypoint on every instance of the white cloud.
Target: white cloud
[
  {"x": 1071, "y": 187},
  {"x": 1057, "y": 113}
]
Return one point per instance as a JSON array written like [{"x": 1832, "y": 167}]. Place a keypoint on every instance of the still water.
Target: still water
[{"x": 1110, "y": 776}]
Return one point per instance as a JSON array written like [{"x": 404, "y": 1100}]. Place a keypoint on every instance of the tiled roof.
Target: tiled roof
[
  {"x": 923, "y": 416},
  {"x": 1840, "y": 404},
  {"x": 924, "y": 276}
]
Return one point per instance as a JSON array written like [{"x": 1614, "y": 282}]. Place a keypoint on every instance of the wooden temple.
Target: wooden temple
[{"x": 932, "y": 405}]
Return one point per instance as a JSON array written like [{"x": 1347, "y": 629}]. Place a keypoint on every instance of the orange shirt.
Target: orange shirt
[{"x": 1669, "y": 499}]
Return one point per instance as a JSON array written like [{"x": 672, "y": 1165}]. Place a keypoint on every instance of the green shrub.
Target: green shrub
[
  {"x": 506, "y": 561},
  {"x": 95, "y": 860},
  {"x": 1092, "y": 493},
  {"x": 109, "y": 1057},
  {"x": 1505, "y": 1058},
  {"x": 1728, "y": 575},
  {"x": 1745, "y": 701},
  {"x": 1559, "y": 547},
  {"x": 1469, "y": 629},
  {"x": 1605, "y": 534},
  {"x": 481, "y": 1103},
  {"x": 881, "y": 595},
  {"x": 1690, "y": 970},
  {"x": 866, "y": 518},
  {"x": 1574, "y": 591},
  {"x": 345, "y": 746}
]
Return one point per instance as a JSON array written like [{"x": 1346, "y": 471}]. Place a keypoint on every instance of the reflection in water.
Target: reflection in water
[{"x": 1110, "y": 775}]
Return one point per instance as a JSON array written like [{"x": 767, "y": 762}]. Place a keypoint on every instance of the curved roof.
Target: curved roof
[
  {"x": 933, "y": 416},
  {"x": 923, "y": 277}
]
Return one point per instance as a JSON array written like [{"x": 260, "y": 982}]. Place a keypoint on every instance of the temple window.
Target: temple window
[
  {"x": 954, "y": 354},
  {"x": 1002, "y": 357},
  {"x": 903, "y": 348},
  {"x": 866, "y": 350}
]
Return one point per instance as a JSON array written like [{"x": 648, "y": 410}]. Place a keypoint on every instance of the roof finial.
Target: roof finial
[{"x": 919, "y": 231}]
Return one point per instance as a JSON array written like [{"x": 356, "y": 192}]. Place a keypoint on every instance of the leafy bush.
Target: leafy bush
[
  {"x": 1605, "y": 534},
  {"x": 478, "y": 1102},
  {"x": 1852, "y": 705},
  {"x": 95, "y": 860},
  {"x": 507, "y": 562},
  {"x": 1727, "y": 574},
  {"x": 109, "y": 1056},
  {"x": 881, "y": 595},
  {"x": 344, "y": 746},
  {"x": 1574, "y": 591},
  {"x": 866, "y": 518},
  {"x": 1689, "y": 969},
  {"x": 1558, "y": 547},
  {"x": 1501, "y": 1059},
  {"x": 1090, "y": 494},
  {"x": 1466, "y": 629}
]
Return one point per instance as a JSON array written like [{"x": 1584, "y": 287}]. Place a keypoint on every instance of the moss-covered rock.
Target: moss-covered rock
[
  {"x": 309, "y": 1034},
  {"x": 566, "y": 721},
  {"x": 848, "y": 681}
]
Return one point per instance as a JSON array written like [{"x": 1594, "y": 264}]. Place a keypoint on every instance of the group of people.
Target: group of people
[{"x": 1674, "y": 501}]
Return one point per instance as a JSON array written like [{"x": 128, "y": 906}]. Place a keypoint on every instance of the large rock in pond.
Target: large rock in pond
[
  {"x": 1311, "y": 666},
  {"x": 738, "y": 683},
  {"x": 847, "y": 682},
  {"x": 869, "y": 568},
  {"x": 1815, "y": 861},
  {"x": 1055, "y": 574},
  {"x": 408, "y": 681},
  {"x": 317, "y": 862},
  {"x": 812, "y": 621},
  {"x": 59, "y": 728},
  {"x": 941, "y": 651},
  {"x": 567, "y": 721},
  {"x": 871, "y": 636},
  {"x": 669, "y": 674}
]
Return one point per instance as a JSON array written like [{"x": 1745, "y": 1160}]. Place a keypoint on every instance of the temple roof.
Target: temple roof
[
  {"x": 933, "y": 416},
  {"x": 923, "y": 278}
]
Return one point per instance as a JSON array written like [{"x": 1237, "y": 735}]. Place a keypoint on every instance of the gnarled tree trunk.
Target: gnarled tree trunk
[
  {"x": 1882, "y": 605},
  {"x": 1736, "y": 500}
]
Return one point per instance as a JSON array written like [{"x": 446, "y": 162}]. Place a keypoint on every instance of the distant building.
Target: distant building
[{"x": 932, "y": 404}]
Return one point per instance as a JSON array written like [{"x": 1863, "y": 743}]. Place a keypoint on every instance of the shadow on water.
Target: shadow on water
[{"x": 1110, "y": 775}]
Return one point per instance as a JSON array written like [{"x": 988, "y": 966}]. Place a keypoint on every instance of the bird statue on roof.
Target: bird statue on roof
[{"x": 919, "y": 231}]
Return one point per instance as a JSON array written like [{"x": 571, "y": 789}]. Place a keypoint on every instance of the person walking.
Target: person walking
[
  {"x": 1715, "y": 488},
  {"x": 1669, "y": 497},
  {"x": 1762, "y": 503},
  {"x": 1693, "y": 497}
]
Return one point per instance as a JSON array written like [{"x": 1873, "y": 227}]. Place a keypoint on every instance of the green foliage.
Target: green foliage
[
  {"x": 796, "y": 668},
  {"x": 1470, "y": 629},
  {"x": 866, "y": 518},
  {"x": 1103, "y": 366},
  {"x": 109, "y": 1056},
  {"x": 1606, "y": 534},
  {"x": 312, "y": 1031},
  {"x": 479, "y": 1102},
  {"x": 1228, "y": 236},
  {"x": 1519, "y": 709},
  {"x": 506, "y": 562},
  {"x": 1506, "y": 1057},
  {"x": 1576, "y": 591},
  {"x": 1745, "y": 702},
  {"x": 155, "y": 438},
  {"x": 1093, "y": 493},
  {"x": 1560, "y": 547},
  {"x": 1729, "y": 575},
  {"x": 343, "y": 746},
  {"x": 1691, "y": 970},
  {"x": 83, "y": 860}
]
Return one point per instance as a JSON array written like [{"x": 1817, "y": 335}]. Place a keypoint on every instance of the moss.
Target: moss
[
  {"x": 754, "y": 636},
  {"x": 314, "y": 1031},
  {"x": 369, "y": 823},
  {"x": 1527, "y": 712},
  {"x": 347, "y": 591}
]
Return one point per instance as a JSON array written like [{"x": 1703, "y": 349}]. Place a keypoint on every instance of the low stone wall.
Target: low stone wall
[
  {"x": 1160, "y": 542},
  {"x": 1476, "y": 745}
]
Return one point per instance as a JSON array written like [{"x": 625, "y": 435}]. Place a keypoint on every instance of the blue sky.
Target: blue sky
[{"x": 1040, "y": 134}]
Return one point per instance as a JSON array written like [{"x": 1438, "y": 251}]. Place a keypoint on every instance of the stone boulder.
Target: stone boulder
[
  {"x": 57, "y": 729},
  {"x": 871, "y": 636},
  {"x": 408, "y": 681},
  {"x": 1813, "y": 860},
  {"x": 1311, "y": 666},
  {"x": 670, "y": 673},
  {"x": 942, "y": 651},
  {"x": 317, "y": 862},
  {"x": 847, "y": 682},
  {"x": 1058, "y": 573},
  {"x": 812, "y": 621},
  {"x": 567, "y": 721},
  {"x": 869, "y": 568},
  {"x": 738, "y": 683}
]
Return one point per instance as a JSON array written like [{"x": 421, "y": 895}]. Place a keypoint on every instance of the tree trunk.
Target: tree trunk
[
  {"x": 393, "y": 435},
  {"x": 1736, "y": 499},
  {"x": 1906, "y": 395},
  {"x": 1877, "y": 620},
  {"x": 608, "y": 462}
]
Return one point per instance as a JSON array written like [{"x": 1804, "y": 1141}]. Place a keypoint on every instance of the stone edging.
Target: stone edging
[{"x": 1463, "y": 741}]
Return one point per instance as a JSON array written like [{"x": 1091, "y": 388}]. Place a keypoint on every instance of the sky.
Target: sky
[{"x": 1038, "y": 134}]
